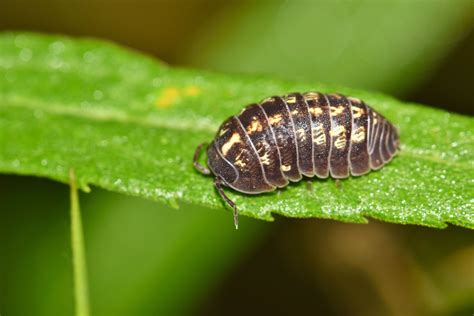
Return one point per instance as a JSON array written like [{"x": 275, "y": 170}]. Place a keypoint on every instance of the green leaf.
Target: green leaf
[{"x": 127, "y": 123}]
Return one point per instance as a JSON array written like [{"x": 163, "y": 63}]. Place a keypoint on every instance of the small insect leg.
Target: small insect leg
[
  {"x": 218, "y": 186},
  {"x": 338, "y": 184},
  {"x": 309, "y": 185},
  {"x": 196, "y": 163}
]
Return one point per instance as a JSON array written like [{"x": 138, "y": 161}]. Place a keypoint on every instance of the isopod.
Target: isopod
[{"x": 282, "y": 139}]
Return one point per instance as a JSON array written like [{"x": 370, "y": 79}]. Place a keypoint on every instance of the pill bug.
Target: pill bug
[{"x": 282, "y": 139}]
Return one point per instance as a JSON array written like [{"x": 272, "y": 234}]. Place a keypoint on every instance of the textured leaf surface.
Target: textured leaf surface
[{"x": 127, "y": 123}]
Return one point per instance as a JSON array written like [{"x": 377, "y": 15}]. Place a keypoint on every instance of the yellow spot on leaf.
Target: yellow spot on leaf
[
  {"x": 192, "y": 91},
  {"x": 168, "y": 97},
  {"x": 171, "y": 95}
]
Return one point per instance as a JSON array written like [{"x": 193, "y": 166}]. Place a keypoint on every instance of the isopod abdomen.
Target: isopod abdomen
[{"x": 282, "y": 139}]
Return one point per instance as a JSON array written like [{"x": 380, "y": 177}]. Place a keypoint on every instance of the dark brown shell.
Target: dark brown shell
[{"x": 311, "y": 134}]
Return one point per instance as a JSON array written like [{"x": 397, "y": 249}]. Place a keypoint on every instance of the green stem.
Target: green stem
[{"x": 81, "y": 293}]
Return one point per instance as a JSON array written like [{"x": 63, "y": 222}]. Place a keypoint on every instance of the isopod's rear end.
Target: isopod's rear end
[
  {"x": 374, "y": 140},
  {"x": 383, "y": 140}
]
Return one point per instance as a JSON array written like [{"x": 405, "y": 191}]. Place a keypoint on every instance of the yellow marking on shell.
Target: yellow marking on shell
[
  {"x": 275, "y": 119},
  {"x": 359, "y": 135},
  {"x": 375, "y": 121},
  {"x": 316, "y": 111},
  {"x": 234, "y": 139},
  {"x": 290, "y": 99},
  {"x": 357, "y": 112},
  {"x": 355, "y": 100},
  {"x": 335, "y": 95},
  {"x": 294, "y": 112},
  {"x": 192, "y": 91},
  {"x": 239, "y": 161},
  {"x": 375, "y": 118},
  {"x": 223, "y": 131},
  {"x": 337, "y": 130},
  {"x": 263, "y": 148},
  {"x": 301, "y": 134},
  {"x": 337, "y": 110},
  {"x": 319, "y": 137},
  {"x": 285, "y": 168},
  {"x": 255, "y": 126},
  {"x": 265, "y": 159},
  {"x": 168, "y": 97},
  {"x": 269, "y": 99},
  {"x": 340, "y": 142},
  {"x": 311, "y": 96}
]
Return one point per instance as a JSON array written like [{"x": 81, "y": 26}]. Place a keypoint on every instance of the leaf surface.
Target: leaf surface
[{"x": 128, "y": 123}]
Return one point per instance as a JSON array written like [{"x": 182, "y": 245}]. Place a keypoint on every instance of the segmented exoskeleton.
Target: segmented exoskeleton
[{"x": 284, "y": 138}]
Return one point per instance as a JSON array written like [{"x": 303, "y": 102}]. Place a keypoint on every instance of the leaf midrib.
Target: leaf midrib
[{"x": 105, "y": 115}]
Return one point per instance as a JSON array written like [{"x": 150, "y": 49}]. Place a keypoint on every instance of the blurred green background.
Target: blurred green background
[{"x": 146, "y": 259}]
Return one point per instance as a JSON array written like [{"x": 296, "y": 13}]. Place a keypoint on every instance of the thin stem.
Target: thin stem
[{"x": 81, "y": 293}]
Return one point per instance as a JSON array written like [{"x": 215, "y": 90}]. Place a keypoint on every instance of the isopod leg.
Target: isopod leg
[
  {"x": 218, "y": 185},
  {"x": 196, "y": 163},
  {"x": 309, "y": 185}
]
